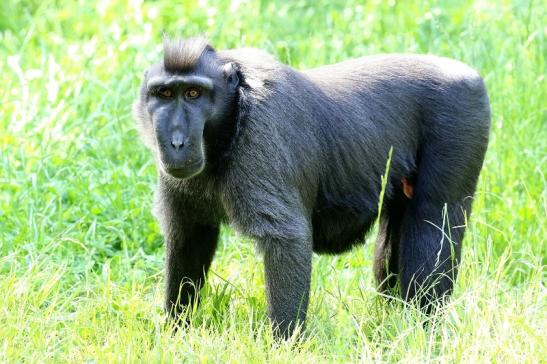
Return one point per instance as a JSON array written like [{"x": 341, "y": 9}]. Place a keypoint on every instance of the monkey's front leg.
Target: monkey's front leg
[
  {"x": 189, "y": 251},
  {"x": 288, "y": 274}
]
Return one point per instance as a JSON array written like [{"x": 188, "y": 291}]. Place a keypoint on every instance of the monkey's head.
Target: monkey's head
[{"x": 183, "y": 99}]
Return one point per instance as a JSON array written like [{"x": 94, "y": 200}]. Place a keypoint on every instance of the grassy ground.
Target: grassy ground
[{"x": 81, "y": 255}]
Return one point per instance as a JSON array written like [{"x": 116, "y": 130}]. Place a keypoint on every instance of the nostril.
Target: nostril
[
  {"x": 177, "y": 145},
  {"x": 177, "y": 141}
]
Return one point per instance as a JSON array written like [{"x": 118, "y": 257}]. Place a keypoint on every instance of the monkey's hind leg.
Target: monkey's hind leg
[
  {"x": 432, "y": 230},
  {"x": 431, "y": 242},
  {"x": 386, "y": 253}
]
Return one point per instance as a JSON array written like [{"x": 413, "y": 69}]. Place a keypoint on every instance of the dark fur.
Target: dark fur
[{"x": 295, "y": 161}]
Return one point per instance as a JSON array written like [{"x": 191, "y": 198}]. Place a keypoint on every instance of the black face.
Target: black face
[{"x": 179, "y": 106}]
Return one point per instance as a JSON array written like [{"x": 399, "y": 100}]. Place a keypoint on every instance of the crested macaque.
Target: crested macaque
[{"x": 295, "y": 159}]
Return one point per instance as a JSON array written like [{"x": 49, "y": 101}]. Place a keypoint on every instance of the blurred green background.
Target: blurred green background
[{"x": 81, "y": 254}]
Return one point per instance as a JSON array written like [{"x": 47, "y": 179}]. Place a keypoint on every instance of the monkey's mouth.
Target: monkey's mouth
[{"x": 186, "y": 171}]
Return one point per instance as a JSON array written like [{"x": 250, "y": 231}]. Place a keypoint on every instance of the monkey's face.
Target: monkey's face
[{"x": 176, "y": 107}]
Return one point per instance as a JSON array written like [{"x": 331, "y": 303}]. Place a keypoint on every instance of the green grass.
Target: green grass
[{"x": 81, "y": 254}]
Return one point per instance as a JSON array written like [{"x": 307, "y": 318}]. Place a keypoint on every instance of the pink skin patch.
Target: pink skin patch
[{"x": 408, "y": 189}]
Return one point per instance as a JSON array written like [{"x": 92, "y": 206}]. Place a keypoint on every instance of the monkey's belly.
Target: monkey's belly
[{"x": 336, "y": 231}]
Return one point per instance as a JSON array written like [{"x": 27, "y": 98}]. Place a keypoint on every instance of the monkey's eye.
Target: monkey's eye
[
  {"x": 192, "y": 93},
  {"x": 165, "y": 92}
]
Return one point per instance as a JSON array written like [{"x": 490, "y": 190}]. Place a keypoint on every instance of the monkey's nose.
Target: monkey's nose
[{"x": 177, "y": 141}]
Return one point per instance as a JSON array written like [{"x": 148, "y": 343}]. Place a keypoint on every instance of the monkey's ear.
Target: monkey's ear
[{"x": 230, "y": 73}]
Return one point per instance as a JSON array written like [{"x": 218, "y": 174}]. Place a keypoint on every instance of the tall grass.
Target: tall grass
[{"x": 81, "y": 254}]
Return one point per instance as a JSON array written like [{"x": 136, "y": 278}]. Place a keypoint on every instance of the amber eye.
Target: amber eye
[
  {"x": 192, "y": 93},
  {"x": 165, "y": 93}
]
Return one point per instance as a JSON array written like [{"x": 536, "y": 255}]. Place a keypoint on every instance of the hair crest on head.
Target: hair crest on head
[{"x": 180, "y": 55}]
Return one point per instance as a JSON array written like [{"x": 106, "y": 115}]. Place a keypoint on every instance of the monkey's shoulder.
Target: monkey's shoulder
[{"x": 252, "y": 62}]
